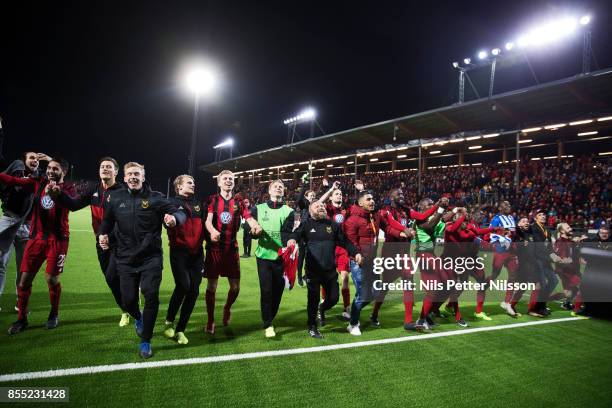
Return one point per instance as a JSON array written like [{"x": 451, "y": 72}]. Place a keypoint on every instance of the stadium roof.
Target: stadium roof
[{"x": 563, "y": 100}]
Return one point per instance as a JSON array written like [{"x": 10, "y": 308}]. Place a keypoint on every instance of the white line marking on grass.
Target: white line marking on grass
[{"x": 261, "y": 354}]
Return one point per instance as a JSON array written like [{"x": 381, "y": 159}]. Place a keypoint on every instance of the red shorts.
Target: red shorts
[
  {"x": 39, "y": 250},
  {"x": 342, "y": 259},
  {"x": 569, "y": 278},
  {"x": 222, "y": 263},
  {"x": 509, "y": 260}
]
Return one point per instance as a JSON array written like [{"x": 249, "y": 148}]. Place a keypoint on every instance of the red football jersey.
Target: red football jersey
[{"x": 226, "y": 220}]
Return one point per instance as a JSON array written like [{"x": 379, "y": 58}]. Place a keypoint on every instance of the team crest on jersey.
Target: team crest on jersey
[
  {"x": 225, "y": 217},
  {"x": 404, "y": 222},
  {"x": 235, "y": 207},
  {"x": 108, "y": 199},
  {"x": 328, "y": 229},
  {"x": 339, "y": 218},
  {"x": 196, "y": 208},
  {"x": 47, "y": 202},
  {"x": 145, "y": 204}
]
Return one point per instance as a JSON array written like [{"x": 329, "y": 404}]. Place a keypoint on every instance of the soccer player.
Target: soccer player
[
  {"x": 397, "y": 241},
  {"x": 96, "y": 196},
  {"x": 138, "y": 213},
  {"x": 567, "y": 263},
  {"x": 503, "y": 254},
  {"x": 247, "y": 238},
  {"x": 322, "y": 237},
  {"x": 337, "y": 212},
  {"x": 49, "y": 233},
  {"x": 222, "y": 222},
  {"x": 526, "y": 272},
  {"x": 16, "y": 206},
  {"x": 276, "y": 220},
  {"x": 426, "y": 232},
  {"x": 482, "y": 237},
  {"x": 186, "y": 259},
  {"x": 305, "y": 197}
]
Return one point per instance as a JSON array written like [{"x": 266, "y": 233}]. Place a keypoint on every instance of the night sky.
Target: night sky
[{"x": 87, "y": 80}]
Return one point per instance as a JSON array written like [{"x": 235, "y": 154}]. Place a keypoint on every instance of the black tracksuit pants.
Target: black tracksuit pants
[
  {"x": 271, "y": 286},
  {"x": 314, "y": 284},
  {"x": 109, "y": 269},
  {"x": 148, "y": 277},
  {"x": 187, "y": 271}
]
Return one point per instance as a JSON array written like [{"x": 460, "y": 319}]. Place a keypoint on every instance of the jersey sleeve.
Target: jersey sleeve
[
  {"x": 495, "y": 222},
  {"x": 26, "y": 182}
]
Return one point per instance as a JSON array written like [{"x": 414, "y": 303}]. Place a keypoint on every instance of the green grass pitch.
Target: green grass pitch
[{"x": 565, "y": 364}]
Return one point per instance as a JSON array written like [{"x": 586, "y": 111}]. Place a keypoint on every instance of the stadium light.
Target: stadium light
[
  {"x": 229, "y": 142},
  {"x": 306, "y": 115},
  {"x": 401, "y": 156},
  {"x": 495, "y": 52},
  {"x": 457, "y": 140},
  {"x": 202, "y": 80},
  {"x": 296, "y": 169},
  {"x": 350, "y": 162},
  {"x": 525, "y": 141},
  {"x": 604, "y": 119},
  {"x": 473, "y": 138},
  {"x": 330, "y": 165},
  {"x": 581, "y": 122},
  {"x": 467, "y": 61},
  {"x": 490, "y": 135},
  {"x": 475, "y": 147},
  {"x": 435, "y": 152},
  {"x": 455, "y": 64},
  {"x": 482, "y": 54},
  {"x": 584, "y": 20},
  {"x": 594, "y": 132},
  {"x": 509, "y": 46},
  {"x": 374, "y": 159}
]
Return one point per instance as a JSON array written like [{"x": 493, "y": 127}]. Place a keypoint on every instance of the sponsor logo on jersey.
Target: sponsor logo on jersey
[
  {"x": 313, "y": 230},
  {"x": 145, "y": 204},
  {"x": 404, "y": 222},
  {"x": 339, "y": 218},
  {"x": 328, "y": 229},
  {"x": 47, "y": 202},
  {"x": 122, "y": 205},
  {"x": 95, "y": 194},
  {"x": 196, "y": 208},
  {"x": 225, "y": 217}
]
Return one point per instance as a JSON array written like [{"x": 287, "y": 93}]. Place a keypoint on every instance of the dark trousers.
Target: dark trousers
[
  {"x": 246, "y": 242},
  {"x": 148, "y": 278},
  {"x": 187, "y": 271},
  {"x": 271, "y": 286},
  {"x": 547, "y": 278},
  {"x": 108, "y": 265},
  {"x": 314, "y": 295},
  {"x": 301, "y": 256}
]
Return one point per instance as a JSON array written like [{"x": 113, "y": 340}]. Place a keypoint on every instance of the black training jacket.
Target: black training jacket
[
  {"x": 321, "y": 237},
  {"x": 138, "y": 216}
]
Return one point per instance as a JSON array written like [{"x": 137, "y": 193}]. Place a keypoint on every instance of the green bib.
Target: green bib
[
  {"x": 271, "y": 221},
  {"x": 425, "y": 240}
]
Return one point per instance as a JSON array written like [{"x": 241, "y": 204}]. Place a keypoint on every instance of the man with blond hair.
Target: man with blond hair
[
  {"x": 222, "y": 259},
  {"x": 135, "y": 215},
  {"x": 276, "y": 220}
]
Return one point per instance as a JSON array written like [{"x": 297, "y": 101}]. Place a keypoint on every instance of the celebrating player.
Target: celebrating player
[
  {"x": 97, "y": 197},
  {"x": 186, "y": 259},
  {"x": 503, "y": 254},
  {"x": 222, "y": 259},
  {"x": 276, "y": 220},
  {"x": 138, "y": 214},
  {"x": 16, "y": 206},
  {"x": 49, "y": 233}
]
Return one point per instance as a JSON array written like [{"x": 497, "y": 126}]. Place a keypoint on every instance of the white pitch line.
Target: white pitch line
[{"x": 260, "y": 354}]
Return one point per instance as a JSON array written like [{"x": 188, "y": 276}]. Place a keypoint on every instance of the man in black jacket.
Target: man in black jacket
[
  {"x": 138, "y": 214},
  {"x": 321, "y": 236},
  {"x": 543, "y": 254}
]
